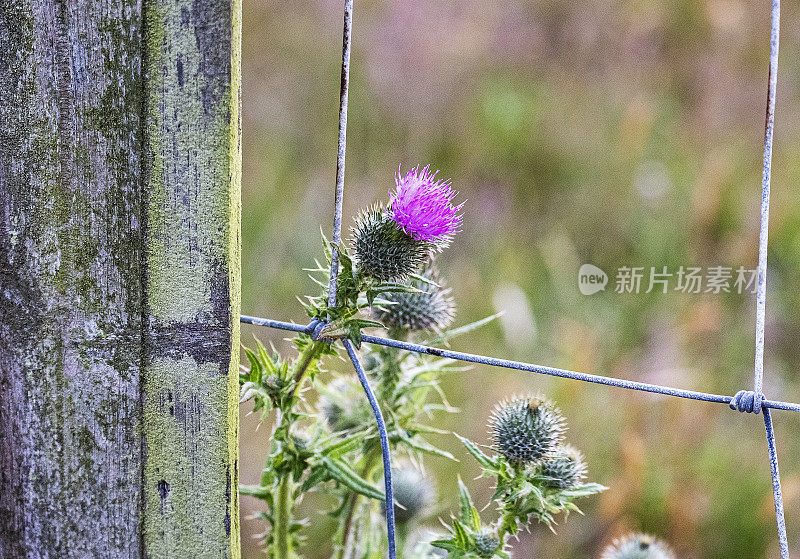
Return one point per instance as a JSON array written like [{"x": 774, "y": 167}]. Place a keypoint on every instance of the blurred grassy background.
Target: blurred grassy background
[{"x": 623, "y": 133}]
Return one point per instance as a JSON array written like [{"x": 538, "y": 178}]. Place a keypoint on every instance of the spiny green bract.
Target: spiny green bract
[
  {"x": 383, "y": 251},
  {"x": 486, "y": 545},
  {"x": 390, "y": 247},
  {"x": 343, "y": 407},
  {"x": 413, "y": 492},
  {"x": 527, "y": 429},
  {"x": 638, "y": 546},
  {"x": 429, "y": 308},
  {"x": 564, "y": 468}
]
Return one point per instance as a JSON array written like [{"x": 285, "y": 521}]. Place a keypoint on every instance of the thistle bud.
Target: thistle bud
[
  {"x": 638, "y": 546},
  {"x": 412, "y": 491},
  {"x": 527, "y": 429},
  {"x": 343, "y": 406},
  {"x": 385, "y": 252},
  {"x": 486, "y": 545},
  {"x": 370, "y": 361},
  {"x": 431, "y": 308},
  {"x": 564, "y": 468}
]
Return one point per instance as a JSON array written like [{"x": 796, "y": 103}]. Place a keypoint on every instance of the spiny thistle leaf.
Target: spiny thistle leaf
[
  {"x": 337, "y": 469},
  {"x": 478, "y": 454},
  {"x": 448, "y": 335},
  {"x": 256, "y": 491},
  {"x": 469, "y": 514}
]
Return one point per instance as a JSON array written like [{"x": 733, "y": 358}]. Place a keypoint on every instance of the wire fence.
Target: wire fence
[{"x": 749, "y": 401}]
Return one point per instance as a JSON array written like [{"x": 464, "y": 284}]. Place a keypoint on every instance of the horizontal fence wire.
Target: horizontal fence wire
[
  {"x": 747, "y": 401},
  {"x": 527, "y": 367}
]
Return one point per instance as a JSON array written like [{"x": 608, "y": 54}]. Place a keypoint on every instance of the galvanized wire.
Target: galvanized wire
[
  {"x": 384, "y": 438},
  {"x": 341, "y": 149},
  {"x": 530, "y": 367},
  {"x": 745, "y": 401},
  {"x": 341, "y": 153},
  {"x": 732, "y": 401},
  {"x": 761, "y": 297},
  {"x": 769, "y": 127},
  {"x": 783, "y": 541}
]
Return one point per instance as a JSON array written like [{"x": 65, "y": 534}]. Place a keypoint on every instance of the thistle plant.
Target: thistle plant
[
  {"x": 414, "y": 493},
  {"x": 536, "y": 478},
  {"x": 638, "y": 546},
  {"x": 342, "y": 407},
  {"x": 564, "y": 468},
  {"x": 526, "y": 429},
  {"x": 324, "y": 438}
]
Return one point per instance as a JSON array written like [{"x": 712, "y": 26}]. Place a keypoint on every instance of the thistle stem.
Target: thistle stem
[
  {"x": 345, "y": 535},
  {"x": 402, "y": 536},
  {"x": 307, "y": 357},
  {"x": 282, "y": 515},
  {"x": 344, "y": 538}
]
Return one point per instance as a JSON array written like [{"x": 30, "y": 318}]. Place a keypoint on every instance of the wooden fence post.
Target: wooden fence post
[{"x": 119, "y": 278}]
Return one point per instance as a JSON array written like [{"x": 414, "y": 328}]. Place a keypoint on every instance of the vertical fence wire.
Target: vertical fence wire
[
  {"x": 769, "y": 126},
  {"x": 341, "y": 149},
  {"x": 385, "y": 451},
  {"x": 761, "y": 298},
  {"x": 334, "y": 272},
  {"x": 783, "y": 541}
]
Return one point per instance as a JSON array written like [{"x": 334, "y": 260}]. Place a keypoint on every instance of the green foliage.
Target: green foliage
[
  {"x": 355, "y": 290},
  {"x": 468, "y": 537}
]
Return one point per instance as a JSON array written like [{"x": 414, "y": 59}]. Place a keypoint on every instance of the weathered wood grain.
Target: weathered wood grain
[{"x": 119, "y": 275}]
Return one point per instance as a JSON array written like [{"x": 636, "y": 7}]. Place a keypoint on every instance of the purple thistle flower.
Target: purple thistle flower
[{"x": 422, "y": 206}]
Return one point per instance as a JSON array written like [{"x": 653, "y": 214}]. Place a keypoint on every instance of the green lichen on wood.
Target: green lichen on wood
[
  {"x": 188, "y": 471},
  {"x": 193, "y": 277},
  {"x": 72, "y": 258},
  {"x": 189, "y": 118}
]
